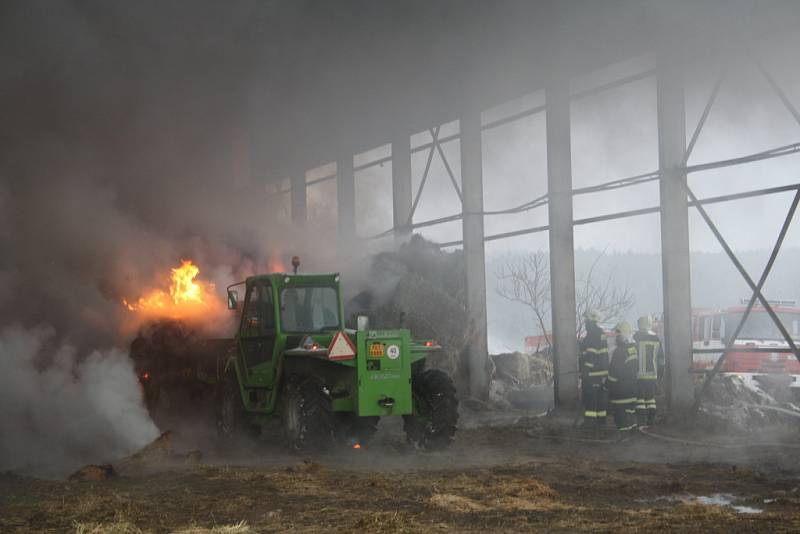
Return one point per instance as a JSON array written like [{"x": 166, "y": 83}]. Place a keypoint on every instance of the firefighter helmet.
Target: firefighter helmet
[
  {"x": 645, "y": 323},
  {"x": 623, "y": 329},
  {"x": 591, "y": 316}
]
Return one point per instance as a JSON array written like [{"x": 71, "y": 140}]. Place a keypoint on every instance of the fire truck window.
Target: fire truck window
[
  {"x": 759, "y": 325},
  {"x": 716, "y": 327}
]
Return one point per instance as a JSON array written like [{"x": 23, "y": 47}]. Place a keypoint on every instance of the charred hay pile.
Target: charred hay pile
[
  {"x": 520, "y": 379},
  {"x": 750, "y": 403},
  {"x": 424, "y": 289}
]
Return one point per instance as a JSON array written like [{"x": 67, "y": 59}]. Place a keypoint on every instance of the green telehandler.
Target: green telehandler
[{"x": 292, "y": 359}]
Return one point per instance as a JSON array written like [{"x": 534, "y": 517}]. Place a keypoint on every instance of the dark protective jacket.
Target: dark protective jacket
[
  {"x": 594, "y": 354},
  {"x": 650, "y": 355},
  {"x": 622, "y": 373}
]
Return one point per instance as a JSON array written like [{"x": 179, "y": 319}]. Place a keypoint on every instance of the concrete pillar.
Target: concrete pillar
[
  {"x": 562, "y": 248},
  {"x": 346, "y": 197},
  {"x": 298, "y": 197},
  {"x": 401, "y": 184},
  {"x": 674, "y": 233},
  {"x": 474, "y": 257}
]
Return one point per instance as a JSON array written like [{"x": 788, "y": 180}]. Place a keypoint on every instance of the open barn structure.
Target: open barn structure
[
  {"x": 399, "y": 69},
  {"x": 352, "y": 85}
]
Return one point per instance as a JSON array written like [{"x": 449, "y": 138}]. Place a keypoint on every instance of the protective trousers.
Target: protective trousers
[
  {"x": 646, "y": 402},
  {"x": 624, "y": 411},
  {"x": 594, "y": 399}
]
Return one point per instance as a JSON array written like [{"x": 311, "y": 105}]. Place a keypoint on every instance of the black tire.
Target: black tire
[
  {"x": 352, "y": 427},
  {"x": 231, "y": 418},
  {"x": 306, "y": 414},
  {"x": 433, "y": 424}
]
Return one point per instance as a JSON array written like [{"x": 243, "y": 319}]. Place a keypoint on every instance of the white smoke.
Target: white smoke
[{"x": 60, "y": 410}]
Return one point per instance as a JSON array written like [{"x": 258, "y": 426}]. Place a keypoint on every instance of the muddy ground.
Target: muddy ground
[{"x": 524, "y": 474}]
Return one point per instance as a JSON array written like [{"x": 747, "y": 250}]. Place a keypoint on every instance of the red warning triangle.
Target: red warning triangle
[{"x": 341, "y": 348}]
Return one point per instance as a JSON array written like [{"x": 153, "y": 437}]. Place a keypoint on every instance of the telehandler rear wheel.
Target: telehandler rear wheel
[
  {"x": 433, "y": 423},
  {"x": 306, "y": 414}
]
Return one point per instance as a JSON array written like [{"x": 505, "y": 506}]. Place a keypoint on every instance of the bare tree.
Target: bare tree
[
  {"x": 527, "y": 280},
  {"x": 610, "y": 301}
]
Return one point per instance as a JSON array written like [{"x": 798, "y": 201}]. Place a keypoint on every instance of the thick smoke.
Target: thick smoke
[
  {"x": 61, "y": 408},
  {"x": 106, "y": 182},
  {"x": 121, "y": 153}
]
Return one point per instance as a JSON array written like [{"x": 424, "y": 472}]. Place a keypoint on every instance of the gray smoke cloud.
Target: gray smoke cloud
[
  {"x": 122, "y": 153},
  {"x": 62, "y": 408}
]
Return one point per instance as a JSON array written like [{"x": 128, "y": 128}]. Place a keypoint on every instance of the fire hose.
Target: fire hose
[{"x": 670, "y": 439}]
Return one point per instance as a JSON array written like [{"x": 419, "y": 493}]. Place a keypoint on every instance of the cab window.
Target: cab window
[
  {"x": 259, "y": 313},
  {"x": 309, "y": 309}
]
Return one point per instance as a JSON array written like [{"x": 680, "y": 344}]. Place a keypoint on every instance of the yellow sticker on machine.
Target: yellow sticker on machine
[{"x": 376, "y": 350}]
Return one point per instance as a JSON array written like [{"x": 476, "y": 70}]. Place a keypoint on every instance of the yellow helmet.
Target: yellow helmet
[
  {"x": 623, "y": 329},
  {"x": 591, "y": 316}
]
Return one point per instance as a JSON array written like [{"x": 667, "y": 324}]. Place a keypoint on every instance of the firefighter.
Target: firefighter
[
  {"x": 622, "y": 379},
  {"x": 594, "y": 370},
  {"x": 650, "y": 368}
]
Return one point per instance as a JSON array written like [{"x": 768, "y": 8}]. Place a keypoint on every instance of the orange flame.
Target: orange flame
[
  {"x": 186, "y": 296},
  {"x": 275, "y": 264}
]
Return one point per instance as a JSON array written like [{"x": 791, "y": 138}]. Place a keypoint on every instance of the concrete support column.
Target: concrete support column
[
  {"x": 674, "y": 233},
  {"x": 401, "y": 184},
  {"x": 346, "y": 198},
  {"x": 298, "y": 197},
  {"x": 474, "y": 257},
  {"x": 562, "y": 247}
]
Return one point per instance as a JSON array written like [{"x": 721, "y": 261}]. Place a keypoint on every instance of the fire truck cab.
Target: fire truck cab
[{"x": 750, "y": 355}]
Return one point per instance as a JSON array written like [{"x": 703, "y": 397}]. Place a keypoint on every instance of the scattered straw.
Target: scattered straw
[{"x": 456, "y": 503}]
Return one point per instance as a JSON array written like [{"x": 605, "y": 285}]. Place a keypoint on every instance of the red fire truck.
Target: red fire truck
[{"x": 711, "y": 328}]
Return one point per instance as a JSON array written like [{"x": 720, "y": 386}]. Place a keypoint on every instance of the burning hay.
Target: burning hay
[{"x": 186, "y": 296}]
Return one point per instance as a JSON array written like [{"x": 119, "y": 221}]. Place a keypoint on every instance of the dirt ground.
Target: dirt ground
[{"x": 525, "y": 474}]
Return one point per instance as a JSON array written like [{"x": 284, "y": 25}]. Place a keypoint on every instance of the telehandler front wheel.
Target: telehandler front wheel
[
  {"x": 306, "y": 414},
  {"x": 231, "y": 418},
  {"x": 433, "y": 424}
]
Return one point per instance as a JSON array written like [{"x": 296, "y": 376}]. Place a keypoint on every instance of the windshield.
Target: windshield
[
  {"x": 759, "y": 325},
  {"x": 309, "y": 309}
]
